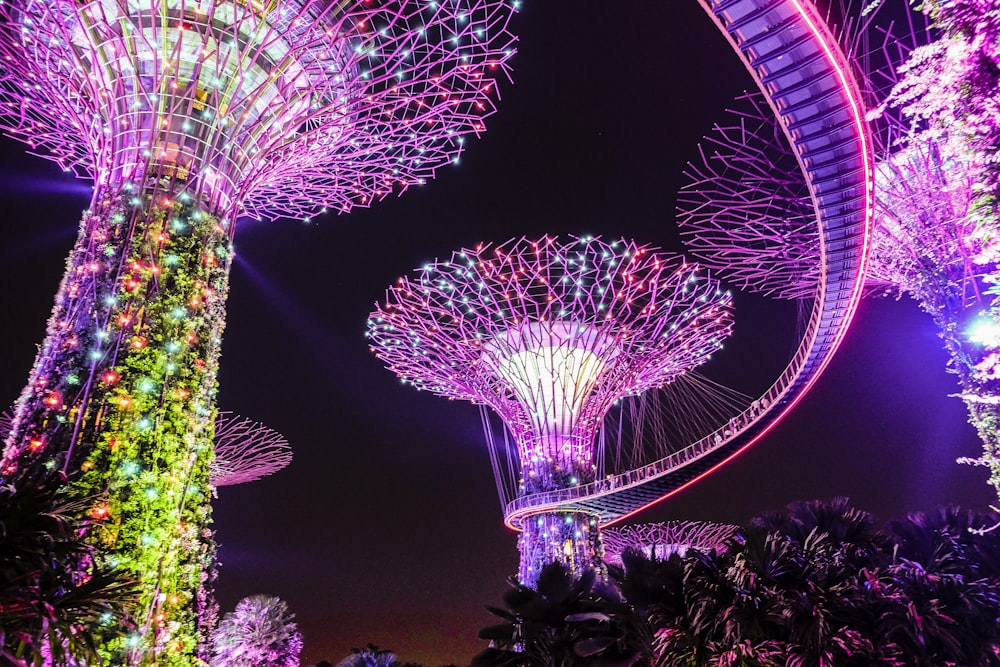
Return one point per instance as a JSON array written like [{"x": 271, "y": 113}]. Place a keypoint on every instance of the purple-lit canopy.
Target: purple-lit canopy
[
  {"x": 662, "y": 540},
  {"x": 549, "y": 334},
  {"x": 745, "y": 209},
  {"x": 246, "y": 451},
  {"x": 270, "y": 108}
]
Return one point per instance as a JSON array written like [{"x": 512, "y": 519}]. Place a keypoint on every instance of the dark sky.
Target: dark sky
[{"x": 386, "y": 528}]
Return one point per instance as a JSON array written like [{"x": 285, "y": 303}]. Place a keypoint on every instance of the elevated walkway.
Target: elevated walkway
[{"x": 797, "y": 64}]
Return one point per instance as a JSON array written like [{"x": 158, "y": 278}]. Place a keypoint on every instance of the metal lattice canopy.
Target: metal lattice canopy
[
  {"x": 550, "y": 333},
  {"x": 661, "y": 540},
  {"x": 246, "y": 451},
  {"x": 271, "y": 109},
  {"x": 745, "y": 209}
]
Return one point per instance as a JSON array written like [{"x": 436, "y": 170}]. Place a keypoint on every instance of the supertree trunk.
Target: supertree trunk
[
  {"x": 121, "y": 400},
  {"x": 570, "y": 538}
]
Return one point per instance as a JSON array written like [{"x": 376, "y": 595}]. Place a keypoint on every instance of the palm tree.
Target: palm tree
[
  {"x": 564, "y": 622},
  {"x": 823, "y": 610},
  {"x": 938, "y": 591},
  {"x": 260, "y": 632},
  {"x": 55, "y": 596},
  {"x": 788, "y": 591}
]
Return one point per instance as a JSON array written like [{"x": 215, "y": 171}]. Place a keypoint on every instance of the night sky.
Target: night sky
[{"x": 386, "y": 528}]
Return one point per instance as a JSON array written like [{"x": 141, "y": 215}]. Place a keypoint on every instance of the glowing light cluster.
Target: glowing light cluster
[
  {"x": 549, "y": 334},
  {"x": 662, "y": 540},
  {"x": 187, "y": 115}
]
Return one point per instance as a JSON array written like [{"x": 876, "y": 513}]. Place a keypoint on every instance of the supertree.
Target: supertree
[
  {"x": 935, "y": 236},
  {"x": 662, "y": 540},
  {"x": 549, "y": 334},
  {"x": 245, "y": 451},
  {"x": 187, "y": 115}
]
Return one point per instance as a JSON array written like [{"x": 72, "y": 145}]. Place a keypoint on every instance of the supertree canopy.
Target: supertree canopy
[
  {"x": 188, "y": 114},
  {"x": 245, "y": 451},
  {"x": 745, "y": 208},
  {"x": 549, "y": 334},
  {"x": 662, "y": 540}
]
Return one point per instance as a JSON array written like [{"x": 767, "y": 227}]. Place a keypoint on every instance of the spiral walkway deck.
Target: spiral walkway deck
[{"x": 796, "y": 62}]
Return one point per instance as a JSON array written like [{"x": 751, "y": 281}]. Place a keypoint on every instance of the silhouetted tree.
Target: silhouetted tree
[
  {"x": 819, "y": 585},
  {"x": 370, "y": 656},
  {"x": 564, "y": 621}
]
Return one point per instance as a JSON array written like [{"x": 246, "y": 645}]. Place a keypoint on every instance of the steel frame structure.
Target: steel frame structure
[
  {"x": 662, "y": 540},
  {"x": 246, "y": 451},
  {"x": 549, "y": 334}
]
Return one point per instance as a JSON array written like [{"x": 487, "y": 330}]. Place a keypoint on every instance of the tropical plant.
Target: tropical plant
[
  {"x": 369, "y": 656},
  {"x": 821, "y": 585},
  {"x": 564, "y": 622},
  {"x": 56, "y": 598},
  {"x": 260, "y": 632},
  {"x": 937, "y": 591}
]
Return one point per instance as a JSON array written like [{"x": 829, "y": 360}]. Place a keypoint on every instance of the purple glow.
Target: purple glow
[
  {"x": 316, "y": 106},
  {"x": 936, "y": 229},
  {"x": 549, "y": 334},
  {"x": 745, "y": 210}
]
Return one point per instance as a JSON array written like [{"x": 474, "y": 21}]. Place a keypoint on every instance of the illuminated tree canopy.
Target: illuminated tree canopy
[
  {"x": 661, "y": 540},
  {"x": 246, "y": 451},
  {"x": 272, "y": 109},
  {"x": 936, "y": 230},
  {"x": 549, "y": 334}
]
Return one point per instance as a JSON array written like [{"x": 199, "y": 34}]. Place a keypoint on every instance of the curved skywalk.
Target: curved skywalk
[{"x": 796, "y": 62}]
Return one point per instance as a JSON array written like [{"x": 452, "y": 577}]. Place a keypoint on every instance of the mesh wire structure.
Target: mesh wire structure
[
  {"x": 744, "y": 209},
  {"x": 549, "y": 334},
  {"x": 662, "y": 540},
  {"x": 267, "y": 108},
  {"x": 246, "y": 451},
  {"x": 932, "y": 239}
]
